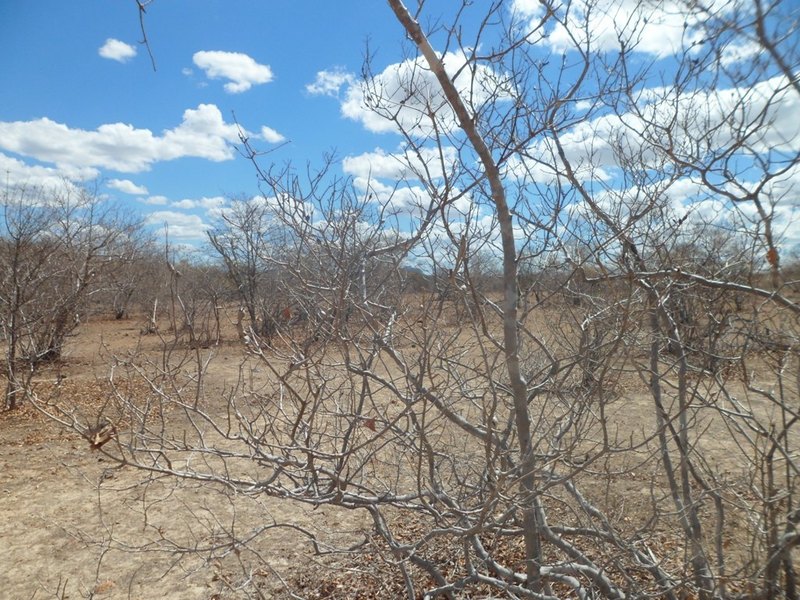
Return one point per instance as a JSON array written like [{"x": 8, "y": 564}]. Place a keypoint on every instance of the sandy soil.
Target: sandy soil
[
  {"x": 67, "y": 513},
  {"x": 73, "y": 525}
]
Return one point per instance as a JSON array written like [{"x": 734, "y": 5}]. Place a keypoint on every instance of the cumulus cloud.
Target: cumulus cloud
[
  {"x": 185, "y": 204},
  {"x": 739, "y": 53},
  {"x": 241, "y": 70},
  {"x": 764, "y": 114},
  {"x": 16, "y": 173},
  {"x": 179, "y": 226},
  {"x": 271, "y": 136},
  {"x": 203, "y": 133},
  {"x": 206, "y": 203},
  {"x": 688, "y": 207},
  {"x": 397, "y": 200},
  {"x": 429, "y": 162},
  {"x": 654, "y": 27},
  {"x": 329, "y": 83},
  {"x": 527, "y": 9},
  {"x": 378, "y": 164},
  {"x": 156, "y": 200},
  {"x": 212, "y": 203},
  {"x": 408, "y": 93},
  {"x": 127, "y": 187},
  {"x": 388, "y": 179},
  {"x": 117, "y": 50}
]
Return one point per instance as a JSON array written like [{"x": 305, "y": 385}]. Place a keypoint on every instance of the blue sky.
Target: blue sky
[
  {"x": 53, "y": 68},
  {"x": 80, "y": 100}
]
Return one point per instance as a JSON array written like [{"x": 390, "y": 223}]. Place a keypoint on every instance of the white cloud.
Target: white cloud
[
  {"x": 587, "y": 147},
  {"x": 781, "y": 196},
  {"x": 655, "y": 27},
  {"x": 210, "y": 204},
  {"x": 14, "y": 172},
  {"x": 409, "y": 94},
  {"x": 376, "y": 164},
  {"x": 156, "y": 200},
  {"x": 119, "y": 146},
  {"x": 684, "y": 192},
  {"x": 203, "y": 133},
  {"x": 213, "y": 202},
  {"x": 180, "y": 226},
  {"x": 272, "y": 136},
  {"x": 737, "y": 53},
  {"x": 329, "y": 83},
  {"x": 117, "y": 50},
  {"x": 430, "y": 163},
  {"x": 242, "y": 71},
  {"x": 282, "y": 206},
  {"x": 127, "y": 187},
  {"x": 186, "y": 204},
  {"x": 527, "y": 9},
  {"x": 765, "y": 115},
  {"x": 412, "y": 200}
]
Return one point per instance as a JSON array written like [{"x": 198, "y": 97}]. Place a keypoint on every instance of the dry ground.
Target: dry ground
[
  {"x": 61, "y": 503},
  {"x": 72, "y": 525}
]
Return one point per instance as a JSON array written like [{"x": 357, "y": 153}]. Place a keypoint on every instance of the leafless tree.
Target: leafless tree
[
  {"x": 131, "y": 284},
  {"x": 56, "y": 246},
  {"x": 532, "y": 448},
  {"x": 26, "y": 250},
  {"x": 250, "y": 241}
]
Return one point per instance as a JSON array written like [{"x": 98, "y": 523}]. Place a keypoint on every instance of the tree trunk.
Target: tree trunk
[{"x": 531, "y": 515}]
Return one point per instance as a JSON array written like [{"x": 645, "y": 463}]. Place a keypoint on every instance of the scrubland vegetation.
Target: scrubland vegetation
[{"x": 558, "y": 359}]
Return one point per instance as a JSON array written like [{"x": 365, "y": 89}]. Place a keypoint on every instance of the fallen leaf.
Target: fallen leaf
[{"x": 104, "y": 587}]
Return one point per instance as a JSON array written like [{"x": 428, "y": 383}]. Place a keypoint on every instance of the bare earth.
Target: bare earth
[
  {"x": 61, "y": 505},
  {"x": 74, "y": 525}
]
